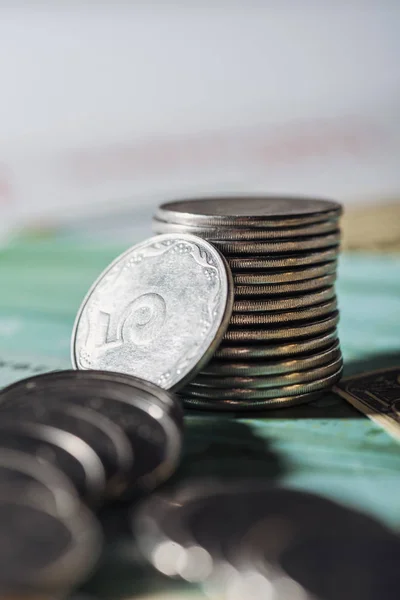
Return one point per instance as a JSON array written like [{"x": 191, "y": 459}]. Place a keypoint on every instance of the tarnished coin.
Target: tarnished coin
[
  {"x": 282, "y": 304},
  {"x": 264, "y": 382},
  {"x": 268, "y": 277},
  {"x": 253, "y": 319},
  {"x": 158, "y": 311},
  {"x": 261, "y": 394},
  {"x": 249, "y": 211},
  {"x": 229, "y": 233},
  {"x": 42, "y": 551},
  {"x": 300, "y": 330},
  {"x": 223, "y": 368},
  {"x": 278, "y": 247},
  {"x": 286, "y": 349},
  {"x": 277, "y": 289},
  {"x": 287, "y": 261}
]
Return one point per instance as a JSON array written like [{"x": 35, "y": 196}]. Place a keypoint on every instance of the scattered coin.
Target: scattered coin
[{"x": 158, "y": 311}]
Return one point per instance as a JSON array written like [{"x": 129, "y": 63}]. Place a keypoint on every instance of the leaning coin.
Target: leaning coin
[
  {"x": 287, "y": 261},
  {"x": 261, "y": 394},
  {"x": 66, "y": 451},
  {"x": 263, "y": 382},
  {"x": 288, "y": 316},
  {"x": 267, "y": 277},
  {"x": 289, "y": 303},
  {"x": 278, "y": 247},
  {"x": 258, "y": 211},
  {"x": 303, "y": 362},
  {"x": 158, "y": 311},
  {"x": 43, "y": 552},
  {"x": 229, "y": 233},
  {"x": 307, "y": 329},
  {"x": 104, "y": 437},
  {"x": 279, "y": 289},
  {"x": 287, "y": 349}
]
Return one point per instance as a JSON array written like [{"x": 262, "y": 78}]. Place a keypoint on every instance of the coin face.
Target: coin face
[{"x": 158, "y": 311}]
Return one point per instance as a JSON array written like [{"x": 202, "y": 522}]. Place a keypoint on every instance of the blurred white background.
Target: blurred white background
[{"x": 117, "y": 104}]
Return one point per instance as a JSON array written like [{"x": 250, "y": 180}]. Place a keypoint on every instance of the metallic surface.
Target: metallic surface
[
  {"x": 278, "y": 247},
  {"x": 279, "y": 289},
  {"x": 287, "y": 261},
  {"x": 281, "y": 304},
  {"x": 288, "y": 316},
  {"x": 299, "y": 274}
]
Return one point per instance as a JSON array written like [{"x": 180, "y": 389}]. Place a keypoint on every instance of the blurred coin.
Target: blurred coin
[
  {"x": 251, "y": 367},
  {"x": 288, "y": 316},
  {"x": 278, "y": 289},
  {"x": 248, "y": 405},
  {"x": 278, "y": 247},
  {"x": 108, "y": 441},
  {"x": 269, "y": 277},
  {"x": 287, "y": 261},
  {"x": 306, "y": 329},
  {"x": 229, "y": 233},
  {"x": 64, "y": 450},
  {"x": 41, "y": 551},
  {"x": 258, "y": 211},
  {"x": 154, "y": 433},
  {"x": 289, "y": 303},
  {"x": 158, "y": 311},
  {"x": 194, "y": 391}
]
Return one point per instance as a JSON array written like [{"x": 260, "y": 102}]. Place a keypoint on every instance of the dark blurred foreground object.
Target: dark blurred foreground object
[
  {"x": 281, "y": 345},
  {"x": 247, "y": 540}
]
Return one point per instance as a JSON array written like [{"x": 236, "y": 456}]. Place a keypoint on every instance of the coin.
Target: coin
[
  {"x": 278, "y": 247},
  {"x": 268, "y": 318},
  {"x": 277, "y": 289},
  {"x": 282, "y": 304},
  {"x": 149, "y": 424},
  {"x": 269, "y": 277},
  {"x": 104, "y": 437},
  {"x": 41, "y": 551},
  {"x": 245, "y": 405},
  {"x": 64, "y": 450},
  {"x": 207, "y": 381},
  {"x": 226, "y": 233},
  {"x": 260, "y": 211},
  {"x": 290, "y": 348},
  {"x": 158, "y": 311},
  {"x": 287, "y": 261},
  {"x": 251, "y": 367},
  {"x": 308, "y": 329}
]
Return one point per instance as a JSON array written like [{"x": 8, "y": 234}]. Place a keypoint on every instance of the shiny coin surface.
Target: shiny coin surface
[
  {"x": 263, "y": 382},
  {"x": 281, "y": 304},
  {"x": 64, "y": 450},
  {"x": 289, "y": 348},
  {"x": 299, "y": 330},
  {"x": 158, "y": 311},
  {"x": 279, "y": 289},
  {"x": 148, "y": 422},
  {"x": 41, "y": 551},
  {"x": 253, "y": 319},
  {"x": 278, "y": 247},
  {"x": 246, "y": 405},
  {"x": 287, "y": 261},
  {"x": 259, "y": 211},
  {"x": 224, "y": 368},
  {"x": 282, "y": 277},
  {"x": 226, "y": 233}
]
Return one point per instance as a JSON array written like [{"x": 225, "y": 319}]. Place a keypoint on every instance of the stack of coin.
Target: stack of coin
[{"x": 281, "y": 345}]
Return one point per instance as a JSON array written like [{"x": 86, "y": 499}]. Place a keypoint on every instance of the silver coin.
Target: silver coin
[
  {"x": 229, "y": 233},
  {"x": 283, "y": 277},
  {"x": 158, "y": 311},
  {"x": 287, "y": 349},
  {"x": 277, "y": 289},
  {"x": 289, "y": 261},
  {"x": 278, "y": 247},
  {"x": 260, "y": 211},
  {"x": 42, "y": 552},
  {"x": 230, "y": 404},
  {"x": 224, "y": 368},
  {"x": 264, "y": 382},
  {"x": 192, "y": 391},
  {"x": 253, "y": 319},
  {"x": 282, "y": 304}
]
